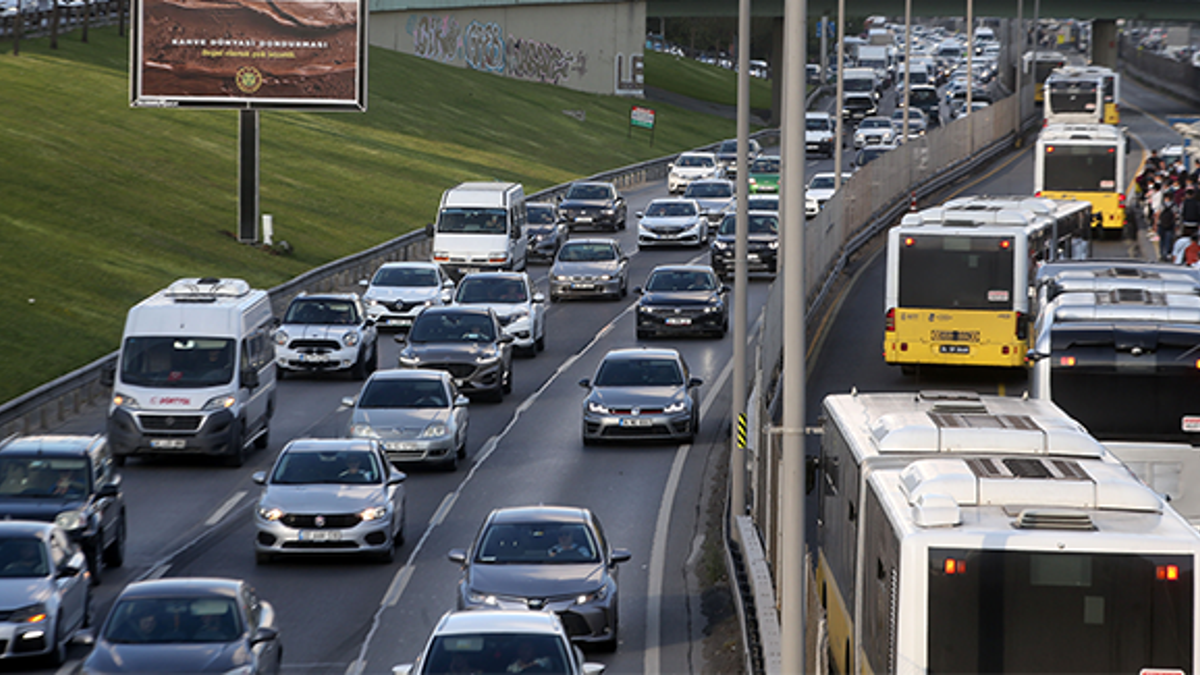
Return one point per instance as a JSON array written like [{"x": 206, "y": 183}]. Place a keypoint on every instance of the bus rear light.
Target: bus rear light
[
  {"x": 1167, "y": 572},
  {"x": 1067, "y": 361},
  {"x": 953, "y": 566},
  {"x": 1049, "y": 149},
  {"x": 889, "y": 322},
  {"x": 909, "y": 241},
  {"x": 1005, "y": 244},
  {"x": 1038, "y": 193},
  {"x": 1005, "y": 350},
  {"x": 1121, "y": 201}
]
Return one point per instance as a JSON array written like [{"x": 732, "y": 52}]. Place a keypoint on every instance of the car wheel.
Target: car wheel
[
  {"x": 398, "y": 538},
  {"x": 118, "y": 460},
  {"x": 624, "y": 222},
  {"x": 450, "y": 464},
  {"x": 540, "y": 343},
  {"x": 114, "y": 553},
  {"x": 589, "y": 441},
  {"x": 237, "y": 448},
  {"x": 281, "y": 373},
  {"x": 261, "y": 440},
  {"x": 610, "y": 645},
  {"x": 388, "y": 555},
  {"x": 624, "y": 287},
  {"x": 554, "y": 297},
  {"x": 58, "y": 651},
  {"x": 373, "y": 364}
]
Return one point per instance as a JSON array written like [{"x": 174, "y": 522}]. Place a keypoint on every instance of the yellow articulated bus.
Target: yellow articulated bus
[
  {"x": 959, "y": 277},
  {"x": 1086, "y": 162},
  {"x": 960, "y": 533}
]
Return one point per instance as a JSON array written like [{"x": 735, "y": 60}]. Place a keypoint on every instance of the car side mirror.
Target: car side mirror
[
  {"x": 506, "y": 339},
  {"x": 694, "y": 382},
  {"x": 347, "y": 401},
  {"x": 250, "y": 378},
  {"x": 585, "y": 383},
  {"x": 259, "y": 477},
  {"x": 108, "y": 374},
  {"x": 620, "y": 555},
  {"x": 85, "y": 637},
  {"x": 111, "y": 489},
  {"x": 1033, "y": 356},
  {"x": 72, "y": 566},
  {"x": 401, "y": 338},
  {"x": 457, "y": 555},
  {"x": 364, "y": 283},
  {"x": 264, "y": 634},
  {"x": 640, "y": 214},
  {"x": 460, "y": 401},
  {"x": 637, "y": 290},
  {"x": 590, "y": 668},
  {"x": 725, "y": 288},
  {"x": 429, "y": 230},
  {"x": 404, "y": 669},
  {"x": 396, "y": 477}
]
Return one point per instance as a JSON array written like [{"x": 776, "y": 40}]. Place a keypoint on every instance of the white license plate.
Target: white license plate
[
  {"x": 679, "y": 321},
  {"x": 168, "y": 443},
  {"x": 954, "y": 349},
  {"x": 320, "y": 535},
  {"x": 635, "y": 422},
  {"x": 752, "y": 256},
  {"x": 399, "y": 322},
  {"x": 1191, "y": 423},
  {"x": 470, "y": 270},
  {"x": 583, "y": 219},
  {"x": 399, "y": 445},
  {"x": 314, "y": 358}
]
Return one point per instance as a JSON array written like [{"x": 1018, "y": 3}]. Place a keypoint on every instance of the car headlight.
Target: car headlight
[
  {"x": 122, "y": 401},
  {"x": 74, "y": 519},
  {"x": 435, "y": 430},
  {"x": 608, "y": 212},
  {"x": 363, "y": 431},
  {"x": 773, "y": 244},
  {"x": 372, "y": 302},
  {"x": 409, "y": 360},
  {"x": 482, "y": 598},
  {"x": 595, "y": 596},
  {"x": 35, "y": 613},
  {"x": 271, "y": 514},
  {"x": 518, "y": 315},
  {"x": 645, "y": 310},
  {"x": 281, "y": 337},
  {"x": 487, "y": 359},
  {"x": 350, "y": 338},
  {"x": 678, "y": 406},
  {"x": 712, "y": 308},
  {"x": 561, "y": 277},
  {"x": 220, "y": 403},
  {"x": 721, "y": 244},
  {"x": 595, "y": 407},
  {"x": 373, "y": 513}
]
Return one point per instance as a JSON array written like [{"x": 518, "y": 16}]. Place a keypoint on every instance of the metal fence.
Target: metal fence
[{"x": 37, "y": 16}]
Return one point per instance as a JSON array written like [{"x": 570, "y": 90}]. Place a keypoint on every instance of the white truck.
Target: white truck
[{"x": 878, "y": 59}]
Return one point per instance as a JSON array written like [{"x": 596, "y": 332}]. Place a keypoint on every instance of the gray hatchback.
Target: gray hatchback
[{"x": 642, "y": 394}]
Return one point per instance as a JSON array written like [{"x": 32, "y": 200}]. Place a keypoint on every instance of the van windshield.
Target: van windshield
[
  {"x": 472, "y": 221},
  {"x": 177, "y": 362}
]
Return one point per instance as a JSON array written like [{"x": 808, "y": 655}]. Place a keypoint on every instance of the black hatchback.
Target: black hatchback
[
  {"x": 71, "y": 481},
  {"x": 762, "y": 243},
  {"x": 682, "y": 300}
]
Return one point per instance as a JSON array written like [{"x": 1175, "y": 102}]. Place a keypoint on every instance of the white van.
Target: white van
[
  {"x": 196, "y": 372},
  {"x": 480, "y": 227}
]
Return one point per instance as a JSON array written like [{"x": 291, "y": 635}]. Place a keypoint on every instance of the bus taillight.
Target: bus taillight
[
  {"x": 1167, "y": 572},
  {"x": 1005, "y": 244},
  {"x": 909, "y": 241},
  {"x": 1067, "y": 361},
  {"x": 1049, "y": 149},
  {"x": 952, "y": 566},
  {"x": 1121, "y": 201},
  {"x": 890, "y": 322}
]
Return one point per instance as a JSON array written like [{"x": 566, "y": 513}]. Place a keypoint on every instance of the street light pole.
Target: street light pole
[
  {"x": 737, "y": 453},
  {"x": 840, "y": 50},
  {"x": 791, "y": 476}
]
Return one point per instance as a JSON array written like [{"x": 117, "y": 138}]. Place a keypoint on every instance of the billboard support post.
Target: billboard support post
[{"x": 248, "y": 176}]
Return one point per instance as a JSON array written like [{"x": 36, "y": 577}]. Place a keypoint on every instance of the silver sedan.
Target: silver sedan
[
  {"x": 590, "y": 268},
  {"x": 330, "y": 495},
  {"x": 640, "y": 394},
  {"x": 417, "y": 415}
]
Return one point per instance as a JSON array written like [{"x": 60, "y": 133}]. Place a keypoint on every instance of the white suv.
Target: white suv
[
  {"x": 520, "y": 310},
  {"x": 400, "y": 290},
  {"x": 325, "y": 332},
  {"x": 690, "y": 166},
  {"x": 818, "y": 133}
]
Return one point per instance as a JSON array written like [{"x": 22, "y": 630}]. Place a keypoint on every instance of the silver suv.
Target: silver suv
[{"x": 326, "y": 332}]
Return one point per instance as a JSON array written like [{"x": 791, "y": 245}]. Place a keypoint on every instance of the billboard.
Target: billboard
[{"x": 245, "y": 54}]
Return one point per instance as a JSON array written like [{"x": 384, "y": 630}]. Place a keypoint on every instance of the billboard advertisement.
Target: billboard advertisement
[{"x": 245, "y": 54}]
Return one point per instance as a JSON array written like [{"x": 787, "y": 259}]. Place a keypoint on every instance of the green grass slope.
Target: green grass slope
[
  {"x": 701, "y": 81},
  {"x": 101, "y": 204}
]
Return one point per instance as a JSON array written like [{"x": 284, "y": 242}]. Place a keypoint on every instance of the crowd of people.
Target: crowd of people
[{"x": 1170, "y": 201}]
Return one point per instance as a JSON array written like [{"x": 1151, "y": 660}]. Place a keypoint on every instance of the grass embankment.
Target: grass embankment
[
  {"x": 693, "y": 79},
  {"x": 101, "y": 205}
]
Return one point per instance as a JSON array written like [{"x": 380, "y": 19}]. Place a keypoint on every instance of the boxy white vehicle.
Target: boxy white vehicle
[
  {"x": 480, "y": 227},
  {"x": 195, "y": 373}
]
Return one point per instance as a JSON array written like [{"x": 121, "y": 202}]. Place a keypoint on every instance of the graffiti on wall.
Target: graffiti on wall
[
  {"x": 482, "y": 46},
  {"x": 435, "y": 37}
]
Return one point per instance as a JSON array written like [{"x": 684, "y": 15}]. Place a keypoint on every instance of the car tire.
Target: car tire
[
  {"x": 262, "y": 440},
  {"x": 237, "y": 447},
  {"x": 388, "y": 555},
  {"x": 589, "y": 441},
  {"x": 554, "y": 297},
  {"x": 624, "y": 223},
  {"x": 450, "y": 464},
  {"x": 114, "y": 553},
  {"x": 281, "y": 373},
  {"x": 95, "y": 561},
  {"x": 58, "y": 651},
  {"x": 624, "y": 288},
  {"x": 118, "y": 460}
]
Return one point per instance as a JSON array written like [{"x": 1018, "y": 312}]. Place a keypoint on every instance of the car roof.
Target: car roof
[
  {"x": 831, "y": 174},
  {"x": 456, "y": 309},
  {"x": 182, "y": 586},
  {"x": 494, "y": 275},
  {"x": 641, "y": 353},
  {"x": 817, "y": 114},
  {"x": 416, "y": 263},
  {"x": 702, "y": 181},
  {"x": 601, "y": 183},
  {"x": 326, "y": 296},
  {"x": 697, "y": 154},
  {"x": 592, "y": 240},
  {"x": 681, "y": 268},
  {"x": 672, "y": 200},
  {"x": 498, "y": 621},
  {"x": 328, "y": 444},
  {"x": 539, "y": 513},
  {"x": 25, "y": 528},
  {"x": 52, "y": 444}
]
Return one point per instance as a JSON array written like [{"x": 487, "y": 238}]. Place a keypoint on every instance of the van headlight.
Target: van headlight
[
  {"x": 281, "y": 337},
  {"x": 220, "y": 403},
  {"x": 122, "y": 401},
  {"x": 350, "y": 338}
]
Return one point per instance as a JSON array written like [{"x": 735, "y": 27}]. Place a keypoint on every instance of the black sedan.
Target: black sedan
[
  {"x": 466, "y": 342},
  {"x": 545, "y": 558},
  {"x": 762, "y": 243},
  {"x": 593, "y": 204},
  {"x": 545, "y": 231},
  {"x": 682, "y": 300},
  {"x": 188, "y": 625},
  {"x": 68, "y": 480}
]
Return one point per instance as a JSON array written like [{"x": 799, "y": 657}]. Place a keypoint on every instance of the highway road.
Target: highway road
[{"x": 188, "y": 517}]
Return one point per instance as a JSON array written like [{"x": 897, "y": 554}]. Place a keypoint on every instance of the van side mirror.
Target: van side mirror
[
  {"x": 429, "y": 230},
  {"x": 108, "y": 374},
  {"x": 250, "y": 378}
]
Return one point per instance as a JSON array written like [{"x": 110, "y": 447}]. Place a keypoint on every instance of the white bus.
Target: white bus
[
  {"x": 962, "y": 533},
  {"x": 1074, "y": 96}
]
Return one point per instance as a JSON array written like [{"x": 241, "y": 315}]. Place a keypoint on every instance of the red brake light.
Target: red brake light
[
  {"x": 1121, "y": 200},
  {"x": 890, "y": 323},
  {"x": 952, "y": 566},
  {"x": 1038, "y": 193},
  {"x": 1112, "y": 150},
  {"x": 1049, "y": 149},
  {"x": 1167, "y": 572},
  {"x": 1005, "y": 243},
  {"x": 1066, "y": 361},
  {"x": 909, "y": 241}
]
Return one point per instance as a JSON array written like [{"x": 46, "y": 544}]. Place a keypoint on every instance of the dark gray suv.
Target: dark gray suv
[{"x": 467, "y": 342}]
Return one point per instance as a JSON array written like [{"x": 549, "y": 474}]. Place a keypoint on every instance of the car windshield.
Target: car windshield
[
  {"x": 43, "y": 477},
  {"x": 448, "y": 327},
  {"x": 681, "y": 280},
  {"x": 587, "y": 252},
  {"x": 728, "y": 147},
  {"x": 922, "y": 95},
  {"x": 912, "y": 115},
  {"x": 628, "y": 372},
  {"x": 310, "y": 311},
  {"x": 816, "y": 124},
  {"x": 589, "y": 192},
  {"x": 472, "y": 221},
  {"x": 757, "y": 224},
  {"x": 762, "y": 204},
  {"x": 484, "y": 290},
  {"x": 404, "y": 393},
  {"x": 22, "y": 557},
  {"x": 875, "y": 123},
  {"x": 765, "y": 165},
  {"x": 177, "y": 362},
  {"x": 539, "y": 215},
  {"x": 496, "y": 654},
  {"x": 671, "y": 209},
  {"x": 406, "y": 277},
  {"x": 708, "y": 190},
  {"x": 694, "y": 160},
  {"x": 174, "y": 620},
  {"x": 537, "y": 543},
  {"x": 821, "y": 183},
  {"x": 303, "y": 467}
]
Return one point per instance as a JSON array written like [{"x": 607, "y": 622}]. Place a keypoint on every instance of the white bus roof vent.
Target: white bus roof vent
[
  {"x": 1053, "y": 519},
  {"x": 950, "y": 401},
  {"x": 207, "y": 289},
  {"x": 1130, "y": 296},
  {"x": 1129, "y": 273}
]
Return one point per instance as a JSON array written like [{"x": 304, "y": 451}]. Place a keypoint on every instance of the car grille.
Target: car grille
[
  {"x": 641, "y": 411},
  {"x": 666, "y": 229},
  {"x": 636, "y": 432},
  {"x": 336, "y": 521},
  {"x": 873, "y": 139},
  {"x": 314, "y": 345},
  {"x": 688, "y": 311},
  {"x": 401, "y": 306},
  {"x": 170, "y": 422},
  {"x": 457, "y": 370}
]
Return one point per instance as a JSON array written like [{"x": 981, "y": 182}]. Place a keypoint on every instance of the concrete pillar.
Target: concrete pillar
[
  {"x": 777, "y": 71},
  {"x": 1104, "y": 43}
]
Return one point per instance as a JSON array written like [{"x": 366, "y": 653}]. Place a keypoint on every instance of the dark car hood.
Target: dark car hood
[
  {"x": 44, "y": 508},
  {"x": 449, "y": 351},
  {"x": 679, "y": 298},
  {"x": 202, "y": 657},
  {"x": 538, "y": 581},
  {"x": 541, "y": 228},
  {"x": 584, "y": 204}
]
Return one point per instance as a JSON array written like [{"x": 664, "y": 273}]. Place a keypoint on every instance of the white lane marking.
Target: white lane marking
[
  {"x": 697, "y": 549},
  {"x": 69, "y": 667},
  {"x": 158, "y": 572},
  {"x": 658, "y": 550},
  {"x": 225, "y": 508}
]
